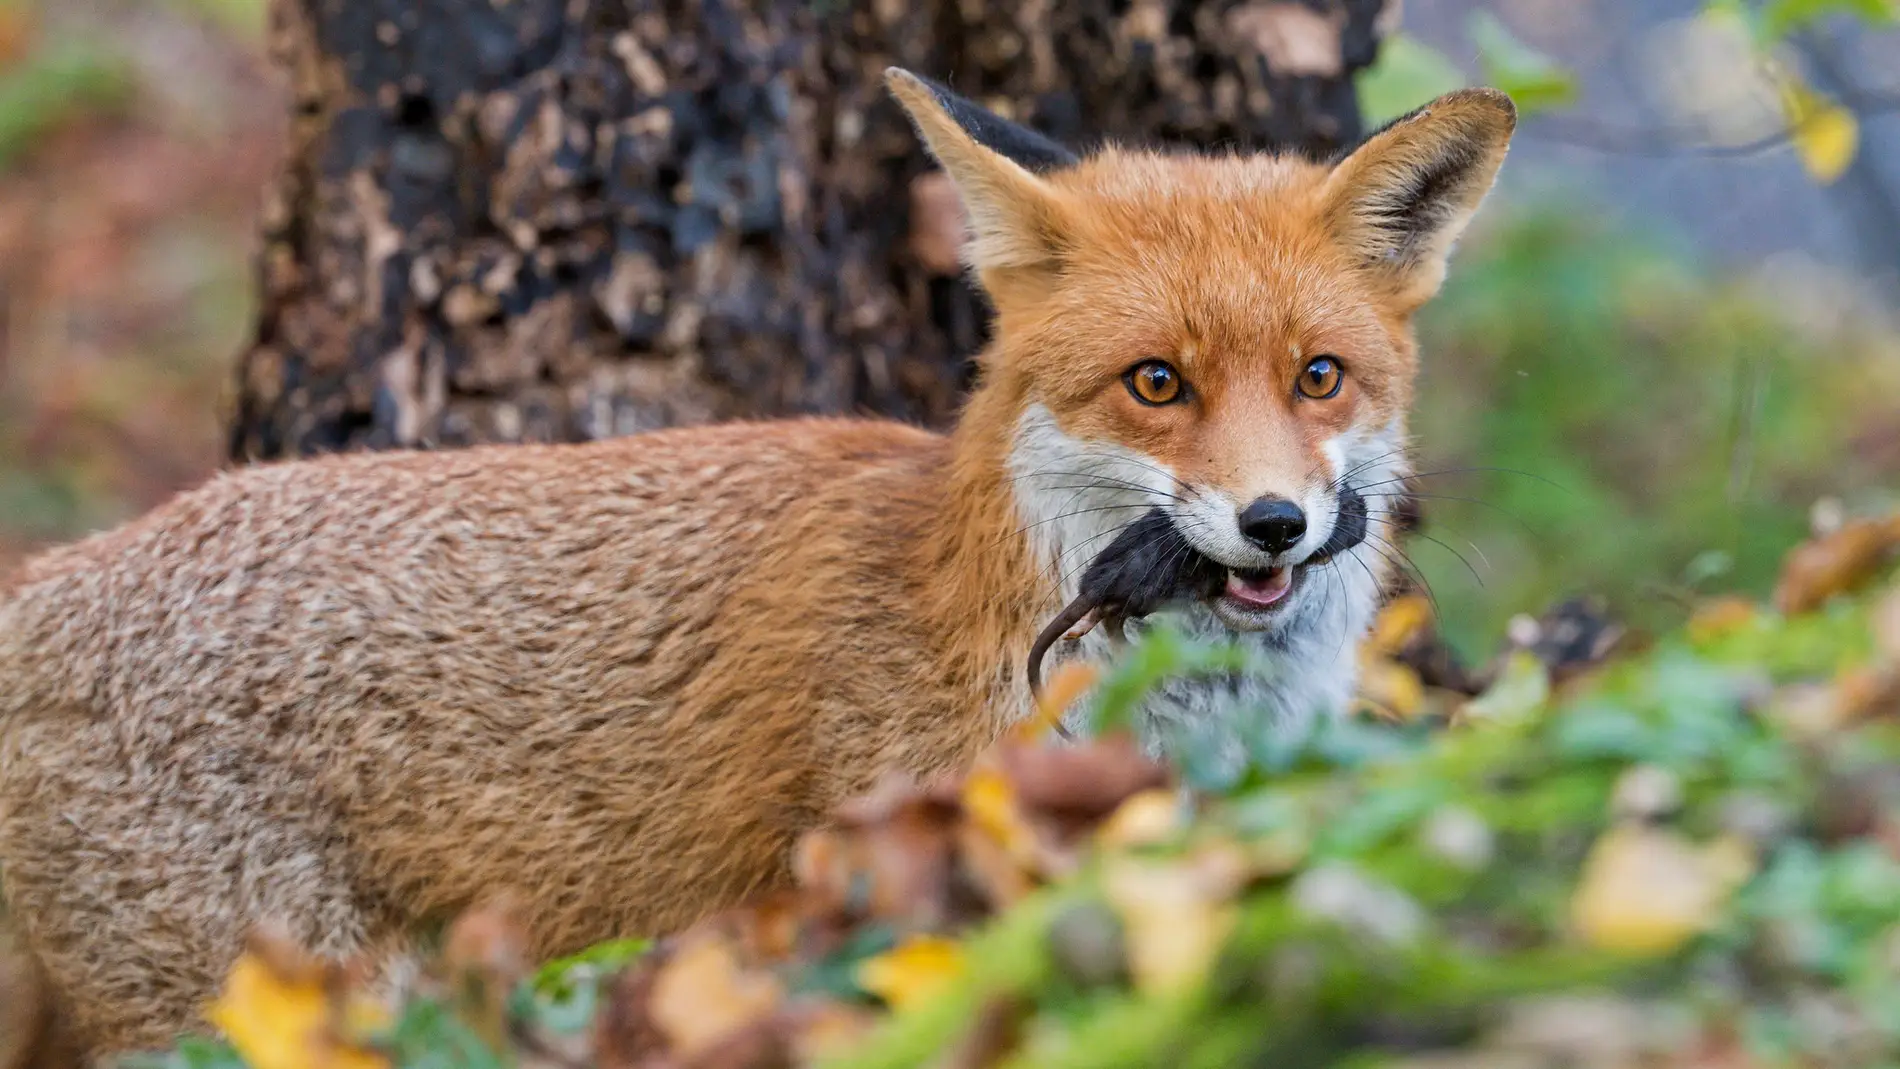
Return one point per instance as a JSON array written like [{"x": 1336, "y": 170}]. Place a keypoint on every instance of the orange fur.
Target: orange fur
[{"x": 618, "y": 679}]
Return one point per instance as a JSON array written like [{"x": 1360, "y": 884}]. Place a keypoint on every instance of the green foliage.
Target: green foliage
[
  {"x": 1406, "y": 75},
  {"x": 1390, "y": 926},
  {"x": 54, "y": 84},
  {"x": 1534, "y": 81},
  {"x": 1656, "y": 429}
]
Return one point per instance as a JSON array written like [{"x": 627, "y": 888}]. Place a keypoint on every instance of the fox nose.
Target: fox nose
[{"x": 1273, "y": 523}]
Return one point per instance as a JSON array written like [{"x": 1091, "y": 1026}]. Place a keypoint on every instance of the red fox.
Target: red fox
[{"x": 352, "y": 695}]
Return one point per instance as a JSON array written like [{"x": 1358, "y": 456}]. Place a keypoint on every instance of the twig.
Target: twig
[{"x": 1687, "y": 140}]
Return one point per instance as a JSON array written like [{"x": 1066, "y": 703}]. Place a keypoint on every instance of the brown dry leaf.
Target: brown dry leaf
[
  {"x": 1820, "y": 709},
  {"x": 281, "y": 1009},
  {"x": 702, "y": 994},
  {"x": 1175, "y": 913},
  {"x": 18, "y": 29},
  {"x": 912, "y": 971},
  {"x": 486, "y": 954},
  {"x": 1886, "y": 623},
  {"x": 1868, "y": 692},
  {"x": 1085, "y": 782},
  {"x": 1835, "y": 563},
  {"x": 1722, "y": 616},
  {"x": 1647, "y": 891},
  {"x": 1297, "y": 40},
  {"x": 826, "y": 1030}
]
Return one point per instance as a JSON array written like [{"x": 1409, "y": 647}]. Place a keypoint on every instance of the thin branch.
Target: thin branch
[{"x": 1689, "y": 140}]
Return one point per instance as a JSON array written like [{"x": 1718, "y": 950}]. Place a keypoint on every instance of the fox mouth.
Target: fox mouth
[
  {"x": 1258, "y": 588},
  {"x": 1253, "y": 598}
]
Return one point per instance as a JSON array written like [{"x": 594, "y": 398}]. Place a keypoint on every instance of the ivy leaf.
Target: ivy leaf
[
  {"x": 1534, "y": 81},
  {"x": 1406, "y": 75}
]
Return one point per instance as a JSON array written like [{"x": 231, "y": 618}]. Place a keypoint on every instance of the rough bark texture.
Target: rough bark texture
[{"x": 505, "y": 220}]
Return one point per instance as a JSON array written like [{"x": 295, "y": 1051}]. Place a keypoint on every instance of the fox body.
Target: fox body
[{"x": 353, "y": 695}]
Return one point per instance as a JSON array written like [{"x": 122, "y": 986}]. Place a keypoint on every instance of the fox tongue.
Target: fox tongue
[{"x": 1261, "y": 590}]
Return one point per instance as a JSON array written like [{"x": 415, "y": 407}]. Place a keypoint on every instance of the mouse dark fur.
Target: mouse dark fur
[{"x": 1150, "y": 566}]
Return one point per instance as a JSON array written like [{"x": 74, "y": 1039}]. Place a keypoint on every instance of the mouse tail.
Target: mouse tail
[{"x": 1074, "y": 621}]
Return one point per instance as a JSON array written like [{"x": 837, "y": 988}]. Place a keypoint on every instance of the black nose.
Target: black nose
[{"x": 1273, "y": 523}]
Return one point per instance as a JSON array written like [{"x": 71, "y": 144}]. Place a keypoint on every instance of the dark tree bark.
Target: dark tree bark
[{"x": 510, "y": 220}]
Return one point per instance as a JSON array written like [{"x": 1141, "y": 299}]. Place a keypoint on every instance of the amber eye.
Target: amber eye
[
  {"x": 1154, "y": 382},
  {"x": 1322, "y": 378}
]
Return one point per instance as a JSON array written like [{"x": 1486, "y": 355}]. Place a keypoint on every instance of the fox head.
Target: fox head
[{"x": 1227, "y": 337}]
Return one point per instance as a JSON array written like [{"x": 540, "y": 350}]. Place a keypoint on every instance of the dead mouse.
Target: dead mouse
[
  {"x": 1150, "y": 566},
  {"x": 1147, "y": 567}
]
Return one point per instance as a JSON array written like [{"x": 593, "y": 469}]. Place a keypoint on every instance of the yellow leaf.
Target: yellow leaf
[
  {"x": 703, "y": 994},
  {"x": 1391, "y": 689},
  {"x": 279, "y": 1022},
  {"x": 1825, "y": 135},
  {"x": 1147, "y": 817},
  {"x": 991, "y": 804},
  {"x": 1398, "y": 623},
  {"x": 1174, "y": 914},
  {"x": 1070, "y": 682},
  {"x": 1647, "y": 891},
  {"x": 912, "y": 971}
]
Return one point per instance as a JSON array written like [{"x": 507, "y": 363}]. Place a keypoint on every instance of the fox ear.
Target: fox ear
[
  {"x": 1401, "y": 200},
  {"x": 1016, "y": 219}
]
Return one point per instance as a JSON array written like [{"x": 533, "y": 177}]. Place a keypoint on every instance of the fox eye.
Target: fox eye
[
  {"x": 1322, "y": 378},
  {"x": 1154, "y": 382}
]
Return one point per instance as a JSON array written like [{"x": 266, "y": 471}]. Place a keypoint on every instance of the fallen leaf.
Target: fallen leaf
[
  {"x": 1085, "y": 782},
  {"x": 1389, "y": 689},
  {"x": 1519, "y": 690},
  {"x": 18, "y": 29},
  {"x": 486, "y": 955},
  {"x": 1403, "y": 619},
  {"x": 1646, "y": 891},
  {"x": 912, "y": 971},
  {"x": 826, "y": 1030},
  {"x": 282, "y": 1010},
  {"x": 1886, "y": 624},
  {"x": 1175, "y": 914},
  {"x": 1720, "y": 618},
  {"x": 1150, "y": 817},
  {"x": 990, "y": 800},
  {"x": 1340, "y": 892},
  {"x": 701, "y": 994},
  {"x": 1834, "y": 564}
]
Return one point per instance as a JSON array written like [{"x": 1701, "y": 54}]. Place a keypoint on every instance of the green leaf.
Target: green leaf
[
  {"x": 1535, "y": 81},
  {"x": 558, "y": 978},
  {"x": 1406, "y": 75},
  {"x": 1782, "y": 17}
]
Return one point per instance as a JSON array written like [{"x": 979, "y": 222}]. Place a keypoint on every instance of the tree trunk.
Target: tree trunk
[{"x": 508, "y": 220}]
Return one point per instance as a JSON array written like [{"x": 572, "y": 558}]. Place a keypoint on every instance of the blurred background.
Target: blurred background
[{"x": 1675, "y": 328}]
